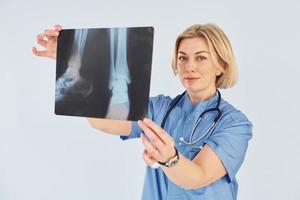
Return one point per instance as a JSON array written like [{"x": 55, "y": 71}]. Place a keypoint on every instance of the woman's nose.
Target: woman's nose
[{"x": 190, "y": 66}]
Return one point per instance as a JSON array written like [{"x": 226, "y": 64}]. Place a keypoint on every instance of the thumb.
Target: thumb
[{"x": 58, "y": 27}]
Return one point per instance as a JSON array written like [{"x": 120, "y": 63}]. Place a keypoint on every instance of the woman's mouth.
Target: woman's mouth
[{"x": 191, "y": 78}]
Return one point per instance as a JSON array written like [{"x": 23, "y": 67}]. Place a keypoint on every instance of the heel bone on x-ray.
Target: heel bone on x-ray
[{"x": 104, "y": 73}]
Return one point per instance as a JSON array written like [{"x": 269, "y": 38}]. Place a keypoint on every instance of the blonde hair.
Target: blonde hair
[{"x": 220, "y": 49}]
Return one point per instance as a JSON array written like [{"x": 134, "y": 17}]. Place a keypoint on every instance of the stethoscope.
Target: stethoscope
[{"x": 190, "y": 142}]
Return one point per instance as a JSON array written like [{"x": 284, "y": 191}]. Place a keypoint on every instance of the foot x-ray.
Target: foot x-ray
[{"x": 104, "y": 73}]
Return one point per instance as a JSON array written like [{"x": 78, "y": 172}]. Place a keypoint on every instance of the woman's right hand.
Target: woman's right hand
[{"x": 48, "y": 40}]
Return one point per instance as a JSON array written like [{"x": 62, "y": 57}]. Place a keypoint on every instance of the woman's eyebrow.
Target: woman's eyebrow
[
  {"x": 181, "y": 52},
  {"x": 198, "y": 52}
]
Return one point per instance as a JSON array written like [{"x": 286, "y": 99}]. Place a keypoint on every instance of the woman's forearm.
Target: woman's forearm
[
  {"x": 186, "y": 174},
  {"x": 114, "y": 127}
]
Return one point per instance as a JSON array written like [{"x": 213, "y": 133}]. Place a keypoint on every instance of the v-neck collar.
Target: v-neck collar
[{"x": 188, "y": 107}]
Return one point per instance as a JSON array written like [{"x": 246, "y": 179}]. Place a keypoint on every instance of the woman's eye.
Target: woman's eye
[
  {"x": 181, "y": 58},
  {"x": 201, "y": 58}
]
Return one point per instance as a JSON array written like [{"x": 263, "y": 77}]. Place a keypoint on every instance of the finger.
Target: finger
[
  {"x": 158, "y": 130},
  {"x": 39, "y": 53},
  {"x": 150, "y": 149},
  {"x": 51, "y": 33},
  {"x": 148, "y": 160},
  {"x": 41, "y": 40},
  {"x": 155, "y": 140},
  {"x": 57, "y": 27},
  {"x": 41, "y": 36}
]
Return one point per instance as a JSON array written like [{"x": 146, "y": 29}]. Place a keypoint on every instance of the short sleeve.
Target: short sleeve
[
  {"x": 135, "y": 132},
  {"x": 230, "y": 141},
  {"x": 156, "y": 106}
]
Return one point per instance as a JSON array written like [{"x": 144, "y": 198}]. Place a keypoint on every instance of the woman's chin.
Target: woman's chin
[{"x": 192, "y": 87}]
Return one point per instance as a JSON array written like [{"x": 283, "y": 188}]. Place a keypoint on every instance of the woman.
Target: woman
[{"x": 197, "y": 139}]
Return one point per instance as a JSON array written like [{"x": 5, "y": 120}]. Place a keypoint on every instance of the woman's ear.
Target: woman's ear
[
  {"x": 219, "y": 66},
  {"x": 220, "y": 70}
]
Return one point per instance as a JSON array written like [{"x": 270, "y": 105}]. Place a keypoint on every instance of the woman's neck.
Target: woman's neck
[{"x": 197, "y": 97}]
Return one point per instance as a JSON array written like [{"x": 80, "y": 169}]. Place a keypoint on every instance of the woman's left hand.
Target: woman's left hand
[{"x": 159, "y": 146}]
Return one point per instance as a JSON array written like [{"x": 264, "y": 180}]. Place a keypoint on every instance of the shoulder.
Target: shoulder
[
  {"x": 160, "y": 101},
  {"x": 232, "y": 116},
  {"x": 158, "y": 105}
]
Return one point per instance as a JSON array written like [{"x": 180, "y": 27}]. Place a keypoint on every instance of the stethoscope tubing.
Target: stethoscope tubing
[{"x": 190, "y": 142}]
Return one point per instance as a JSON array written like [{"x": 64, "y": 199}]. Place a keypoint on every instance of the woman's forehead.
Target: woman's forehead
[{"x": 193, "y": 46}]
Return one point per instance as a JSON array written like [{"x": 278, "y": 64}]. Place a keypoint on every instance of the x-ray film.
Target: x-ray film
[{"x": 104, "y": 73}]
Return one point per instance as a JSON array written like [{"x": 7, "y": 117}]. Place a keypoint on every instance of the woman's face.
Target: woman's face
[{"x": 195, "y": 66}]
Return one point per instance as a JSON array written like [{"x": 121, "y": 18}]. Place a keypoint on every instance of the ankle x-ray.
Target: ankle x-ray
[{"x": 104, "y": 73}]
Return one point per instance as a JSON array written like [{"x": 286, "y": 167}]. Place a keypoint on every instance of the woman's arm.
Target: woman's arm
[
  {"x": 203, "y": 170},
  {"x": 114, "y": 127}
]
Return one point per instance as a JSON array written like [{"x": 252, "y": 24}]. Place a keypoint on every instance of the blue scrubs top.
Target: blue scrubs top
[{"x": 229, "y": 140}]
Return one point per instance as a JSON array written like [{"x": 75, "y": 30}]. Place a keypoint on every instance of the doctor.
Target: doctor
[{"x": 198, "y": 140}]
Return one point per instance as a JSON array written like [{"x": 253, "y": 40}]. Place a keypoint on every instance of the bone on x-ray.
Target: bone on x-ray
[{"x": 99, "y": 72}]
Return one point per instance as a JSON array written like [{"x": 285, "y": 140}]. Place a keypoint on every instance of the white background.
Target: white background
[{"x": 43, "y": 156}]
